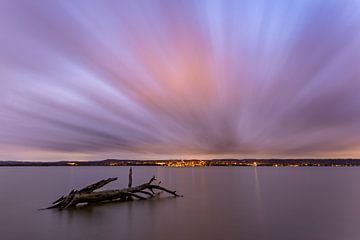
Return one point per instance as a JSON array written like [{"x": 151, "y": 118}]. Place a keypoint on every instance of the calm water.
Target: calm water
[{"x": 219, "y": 203}]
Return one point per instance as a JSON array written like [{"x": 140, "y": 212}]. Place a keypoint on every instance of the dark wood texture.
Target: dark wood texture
[{"x": 88, "y": 194}]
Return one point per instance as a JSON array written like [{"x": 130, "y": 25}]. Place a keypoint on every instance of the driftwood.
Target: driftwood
[{"x": 88, "y": 194}]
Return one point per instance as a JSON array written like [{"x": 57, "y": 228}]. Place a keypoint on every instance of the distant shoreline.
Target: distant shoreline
[{"x": 194, "y": 163}]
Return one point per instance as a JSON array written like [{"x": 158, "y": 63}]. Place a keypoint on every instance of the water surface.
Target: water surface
[{"x": 218, "y": 203}]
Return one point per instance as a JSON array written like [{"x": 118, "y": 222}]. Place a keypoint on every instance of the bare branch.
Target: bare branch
[
  {"x": 88, "y": 195},
  {"x": 130, "y": 178},
  {"x": 96, "y": 185}
]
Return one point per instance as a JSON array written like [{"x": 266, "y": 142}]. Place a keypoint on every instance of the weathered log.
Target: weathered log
[
  {"x": 88, "y": 194},
  {"x": 96, "y": 185}
]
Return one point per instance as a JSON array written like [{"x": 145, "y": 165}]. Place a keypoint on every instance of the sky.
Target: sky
[{"x": 158, "y": 79}]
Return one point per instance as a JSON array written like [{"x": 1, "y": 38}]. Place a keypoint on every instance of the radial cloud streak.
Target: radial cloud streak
[{"x": 167, "y": 79}]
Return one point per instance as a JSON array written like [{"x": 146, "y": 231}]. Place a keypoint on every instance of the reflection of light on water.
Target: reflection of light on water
[
  {"x": 71, "y": 179},
  {"x": 259, "y": 201}
]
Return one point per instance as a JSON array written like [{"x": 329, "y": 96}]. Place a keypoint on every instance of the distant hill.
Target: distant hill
[{"x": 194, "y": 162}]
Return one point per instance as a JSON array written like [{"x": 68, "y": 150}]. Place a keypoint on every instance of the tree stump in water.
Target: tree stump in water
[{"x": 88, "y": 194}]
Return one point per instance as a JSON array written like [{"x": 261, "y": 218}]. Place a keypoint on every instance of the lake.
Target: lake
[{"x": 218, "y": 203}]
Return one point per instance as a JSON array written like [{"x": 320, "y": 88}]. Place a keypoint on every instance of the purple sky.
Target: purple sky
[{"x": 179, "y": 79}]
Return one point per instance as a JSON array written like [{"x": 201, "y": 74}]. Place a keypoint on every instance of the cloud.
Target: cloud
[{"x": 142, "y": 79}]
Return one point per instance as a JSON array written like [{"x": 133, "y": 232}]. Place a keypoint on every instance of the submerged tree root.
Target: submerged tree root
[{"x": 89, "y": 195}]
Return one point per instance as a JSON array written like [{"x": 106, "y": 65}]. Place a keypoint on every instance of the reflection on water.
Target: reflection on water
[
  {"x": 259, "y": 203},
  {"x": 218, "y": 203}
]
